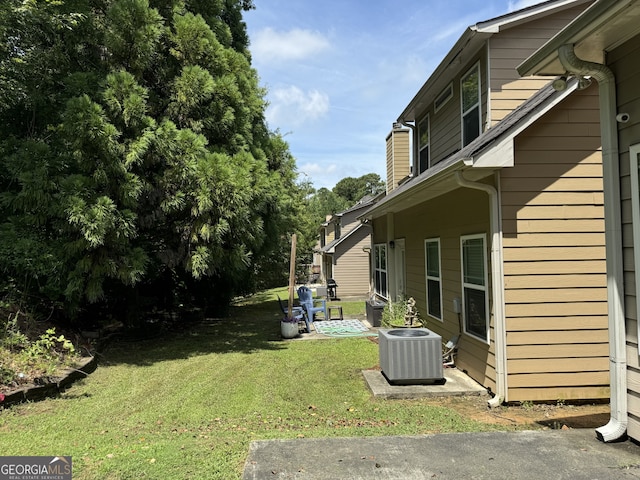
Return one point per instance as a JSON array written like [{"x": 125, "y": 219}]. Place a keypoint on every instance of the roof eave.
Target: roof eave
[
  {"x": 331, "y": 247},
  {"x": 479, "y": 163},
  {"x": 469, "y": 42},
  {"x": 596, "y": 18},
  {"x": 527, "y": 14}
]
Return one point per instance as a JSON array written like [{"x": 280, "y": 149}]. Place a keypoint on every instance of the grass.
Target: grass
[{"x": 188, "y": 406}]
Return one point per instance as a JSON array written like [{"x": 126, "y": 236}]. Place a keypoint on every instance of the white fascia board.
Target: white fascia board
[
  {"x": 601, "y": 27},
  {"x": 524, "y": 15},
  {"x": 499, "y": 155}
]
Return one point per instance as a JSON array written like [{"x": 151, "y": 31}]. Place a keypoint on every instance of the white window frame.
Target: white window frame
[
  {"x": 382, "y": 269},
  {"x": 433, "y": 278},
  {"x": 478, "y": 104},
  {"x": 473, "y": 286},
  {"x": 426, "y": 145},
  {"x": 634, "y": 153},
  {"x": 443, "y": 98}
]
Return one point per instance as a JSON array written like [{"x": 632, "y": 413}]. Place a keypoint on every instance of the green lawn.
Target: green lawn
[{"x": 188, "y": 406}]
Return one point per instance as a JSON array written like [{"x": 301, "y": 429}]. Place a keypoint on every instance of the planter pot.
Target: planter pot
[
  {"x": 289, "y": 329},
  {"x": 374, "y": 312}
]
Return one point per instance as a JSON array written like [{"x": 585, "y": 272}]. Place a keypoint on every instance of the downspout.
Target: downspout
[
  {"x": 497, "y": 287},
  {"x": 617, "y": 425},
  {"x": 414, "y": 150}
]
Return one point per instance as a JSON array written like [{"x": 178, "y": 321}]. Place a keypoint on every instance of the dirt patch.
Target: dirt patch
[{"x": 554, "y": 416}]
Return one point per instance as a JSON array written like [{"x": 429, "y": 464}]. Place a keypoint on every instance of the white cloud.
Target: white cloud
[
  {"x": 293, "y": 106},
  {"x": 317, "y": 169},
  {"x": 272, "y": 45}
]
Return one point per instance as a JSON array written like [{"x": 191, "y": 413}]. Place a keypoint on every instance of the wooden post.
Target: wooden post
[{"x": 292, "y": 275}]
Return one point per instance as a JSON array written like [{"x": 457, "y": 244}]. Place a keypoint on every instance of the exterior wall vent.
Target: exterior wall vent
[{"x": 410, "y": 355}]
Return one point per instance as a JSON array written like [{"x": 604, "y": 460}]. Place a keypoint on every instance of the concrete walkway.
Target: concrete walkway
[{"x": 529, "y": 455}]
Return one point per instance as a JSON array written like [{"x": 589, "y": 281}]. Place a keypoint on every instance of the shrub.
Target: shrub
[{"x": 395, "y": 314}]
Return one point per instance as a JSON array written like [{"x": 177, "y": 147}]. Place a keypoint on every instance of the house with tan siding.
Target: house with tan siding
[
  {"x": 498, "y": 233},
  {"x": 344, "y": 250},
  {"x": 603, "y": 45}
]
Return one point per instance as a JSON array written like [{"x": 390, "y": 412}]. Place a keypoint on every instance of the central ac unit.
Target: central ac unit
[{"x": 410, "y": 355}]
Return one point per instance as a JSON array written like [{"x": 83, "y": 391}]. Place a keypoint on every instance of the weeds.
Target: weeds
[
  {"x": 527, "y": 405},
  {"x": 23, "y": 359}
]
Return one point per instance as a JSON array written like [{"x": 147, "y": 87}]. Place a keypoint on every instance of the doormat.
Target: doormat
[{"x": 342, "y": 328}]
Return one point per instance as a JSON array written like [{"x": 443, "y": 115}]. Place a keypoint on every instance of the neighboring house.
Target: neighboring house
[
  {"x": 344, "y": 250},
  {"x": 499, "y": 234},
  {"x": 604, "y": 44}
]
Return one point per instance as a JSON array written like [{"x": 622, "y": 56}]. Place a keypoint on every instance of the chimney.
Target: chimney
[{"x": 398, "y": 156}]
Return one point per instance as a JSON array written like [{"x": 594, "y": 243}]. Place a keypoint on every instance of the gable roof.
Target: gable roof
[
  {"x": 490, "y": 151},
  {"x": 602, "y": 27},
  {"x": 331, "y": 246},
  {"x": 364, "y": 202},
  {"x": 469, "y": 43}
]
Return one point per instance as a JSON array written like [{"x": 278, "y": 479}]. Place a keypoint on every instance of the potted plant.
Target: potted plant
[{"x": 289, "y": 327}]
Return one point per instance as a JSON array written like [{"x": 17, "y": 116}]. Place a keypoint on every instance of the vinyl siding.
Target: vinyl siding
[
  {"x": 351, "y": 265},
  {"x": 461, "y": 212},
  {"x": 445, "y": 124},
  {"x": 554, "y": 258},
  {"x": 624, "y": 63},
  {"x": 509, "y": 48},
  {"x": 502, "y": 89},
  {"x": 398, "y": 157}
]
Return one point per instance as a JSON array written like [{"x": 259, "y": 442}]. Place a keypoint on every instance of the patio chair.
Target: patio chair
[
  {"x": 311, "y": 305},
  {"x": 297, "y": 312}
]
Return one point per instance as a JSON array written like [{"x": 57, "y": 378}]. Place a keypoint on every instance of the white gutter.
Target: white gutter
[
  {"x": 617, "y": 425},
  {"x": 413, "y": 150},
  {"x": 497, "y": 287}
]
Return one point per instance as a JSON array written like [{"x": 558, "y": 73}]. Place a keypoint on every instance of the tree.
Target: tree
[
  {"x": 324, "y": 202},
  {"x": 354, "y": 189},
  {"x": 134, "y": 151}
]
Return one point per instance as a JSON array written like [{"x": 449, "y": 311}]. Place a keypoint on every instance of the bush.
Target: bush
[{"x": 395, "y": 314}]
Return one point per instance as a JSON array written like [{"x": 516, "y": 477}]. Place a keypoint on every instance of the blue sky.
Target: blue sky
[{"x": 338, "y": 73}]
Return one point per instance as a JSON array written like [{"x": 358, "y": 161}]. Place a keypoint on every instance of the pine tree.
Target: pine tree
[{"x": 134, "y": 151}]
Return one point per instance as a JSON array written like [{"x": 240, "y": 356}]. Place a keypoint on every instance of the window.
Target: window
[
  {"x": 470, "y": 93},
  {"x": 336, "y": 230},
  {"x": 443, "y": 98},
  {"x": 634, "y": 154},
  {"x": 423, "y": 144},
  {"x": 380, "y": 268},
  {"x": 475, "y": 305},
  {"x": 434, "y": 285}
]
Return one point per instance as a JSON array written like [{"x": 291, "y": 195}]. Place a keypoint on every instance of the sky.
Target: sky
[{"x": 338, "y": 73}]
